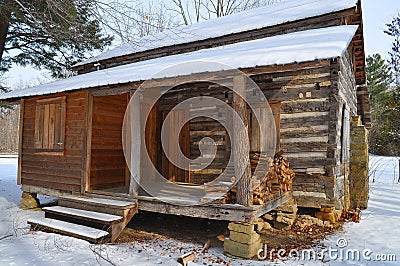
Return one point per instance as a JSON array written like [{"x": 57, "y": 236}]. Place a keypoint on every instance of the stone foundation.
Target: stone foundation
[
  {"x": 29, "y": 201},
  {"x": 359, "y": 168},
  {"x": 283, "y": 217},
  {"x": 244, "y": 240},
  {"x": 313, "y": 190},
  {"x": 328, "y": 214}
]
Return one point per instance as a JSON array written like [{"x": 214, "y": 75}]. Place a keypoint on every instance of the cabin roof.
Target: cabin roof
[
  {"x": 258, "y": 18},
  {"x": 304, "y": 46}
]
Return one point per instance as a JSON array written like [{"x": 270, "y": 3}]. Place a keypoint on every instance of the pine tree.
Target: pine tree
[
  {"x": 392, "y": 112},
  {"x": 393, "y": 30},
  {"x": 379, "y": 80},
  {"x": 48, "y": 34}
]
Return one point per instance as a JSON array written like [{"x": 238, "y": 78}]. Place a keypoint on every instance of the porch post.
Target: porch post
[
  {"x": 135, "y": 144},
  {"x": 241, "y": 144}
]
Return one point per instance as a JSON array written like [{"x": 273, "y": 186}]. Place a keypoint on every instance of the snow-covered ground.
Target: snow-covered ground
[
  {"x": 375, "y": 239},
  {"x": 378, "y": 233}
]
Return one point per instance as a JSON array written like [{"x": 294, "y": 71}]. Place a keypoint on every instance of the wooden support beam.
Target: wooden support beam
[
  {"x": 20, "y": 141},
  {"x": 87, "y": 152},
  {"x": 224, "y": 212},
  {"x": 241, "y": 146},
  {"x": 135, "y": 141}
]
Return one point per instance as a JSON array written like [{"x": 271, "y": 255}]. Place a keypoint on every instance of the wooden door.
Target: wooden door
[
  {"x": 169, "y": 170},
  {"x": 108, "y": 167}
]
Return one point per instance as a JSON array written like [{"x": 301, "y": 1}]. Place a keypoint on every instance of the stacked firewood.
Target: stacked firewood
[
  {"x": 277, "y": 178},
  {"x": 271, "y": 178}
]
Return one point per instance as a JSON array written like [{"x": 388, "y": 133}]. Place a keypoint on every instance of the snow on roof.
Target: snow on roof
[
  {"x": 257, "y": 18},
  {"x": 301, "y": 46}
]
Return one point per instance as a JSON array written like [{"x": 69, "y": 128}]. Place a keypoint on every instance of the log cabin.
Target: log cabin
[{"x": 305, "y": 56}]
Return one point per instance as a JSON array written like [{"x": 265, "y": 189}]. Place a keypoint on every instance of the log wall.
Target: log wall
[
  {"x": 311, "y": 125},
  {"x": 202, "y": 127},
  {"x": 305, "y": 114},
  {"x": 63, "y": 172},
  {"x": 199, "y": 128}
]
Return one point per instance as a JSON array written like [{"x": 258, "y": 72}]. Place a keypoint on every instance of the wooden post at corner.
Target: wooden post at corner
[{"x": 241, "y": 144}]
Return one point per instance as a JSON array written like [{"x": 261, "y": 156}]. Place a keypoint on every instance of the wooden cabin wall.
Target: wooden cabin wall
[
  {"x": 54, "y": 171},
  {"x": 347, "y": 103},
  {"x": 307, "y": 126},
  {"x": 108, "y": 166},
  {"x": 304, "y": 118},
  {"x": 202, "y": 127},
  {"x": 199, "y": 128}
]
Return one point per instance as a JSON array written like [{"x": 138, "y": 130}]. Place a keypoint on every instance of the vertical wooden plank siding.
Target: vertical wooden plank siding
[
  {"x": 135, "y": 140},
  {"x": 39, "y": 115},
  {"x": 276, "y": 111},
  {"x": 50, "y": 124},
  {"x": 87, "y": 156},
  {"x": 61, "y": 170},
  {"x": 46, "y": 125},
  {"x": 172, "y": 172},
  {"x": 260, "y": 143},
  {"x": 107, "y": 166},
  {"x": 20, "y": 140},
  {"x": 63, "y": 123},
  {"x": 151, "y": 141},
  {"x": 240, "y": 146},
  {"x": 51, "y": 134}
]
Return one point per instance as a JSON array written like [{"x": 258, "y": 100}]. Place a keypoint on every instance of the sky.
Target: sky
[{"x": 376, "y": 14}]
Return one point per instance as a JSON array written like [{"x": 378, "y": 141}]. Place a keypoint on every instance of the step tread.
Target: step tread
[
  {"x": 101, "y": 201},
  {"x": 85, "y": 232},
  {"x": 87, "y": 215}
]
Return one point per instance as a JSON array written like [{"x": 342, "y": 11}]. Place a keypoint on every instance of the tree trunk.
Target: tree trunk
[
  {"x": 241, "y": 146},
  {"x": 5, "y": 17}
]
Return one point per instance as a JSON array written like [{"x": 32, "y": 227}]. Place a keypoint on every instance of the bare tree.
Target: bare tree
[
  {"x": 192, "y": 11},
  {"x": 9, "y": 122},
  {"x": 130, "y": 20}
]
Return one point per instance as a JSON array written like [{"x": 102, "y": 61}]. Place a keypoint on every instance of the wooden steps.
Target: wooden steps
[
  {"x": 70, "y": 213},
  {"x": 79, "y": 231},
  {"x": 76, "y": 215},
  {"x": 96, "y": 204}
]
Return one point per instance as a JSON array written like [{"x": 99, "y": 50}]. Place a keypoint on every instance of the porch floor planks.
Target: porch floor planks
[
  {"x": 101, "y": 202},
  {"x": 228, "y": 212}
]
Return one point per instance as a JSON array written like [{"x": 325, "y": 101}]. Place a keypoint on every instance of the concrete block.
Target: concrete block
[
  {"x": 330, "y": 217},
  {"x": 290, "y": 208},
  {"x": 267, "y": 226},
  {"x": 281, "y": 226},
  {"x": 245, "y": 228},
  {"x": 242, "y": 250},
  {"x": 286, "y": 215},
  {"x": 268, "y": 217},
  {"x": 29, "y": 201},
  {"x": 327, "y": 209},
  {"x": 259, "y": 224},
  {"x": 244, "y": 238},
  {"x": 285, "y": 220},
  {"x": 363, "y": 146}
]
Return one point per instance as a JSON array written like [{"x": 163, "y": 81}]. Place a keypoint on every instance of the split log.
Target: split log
[
  {"x": 186, "y": 258},
  {"x": 276, "y": 178}
]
